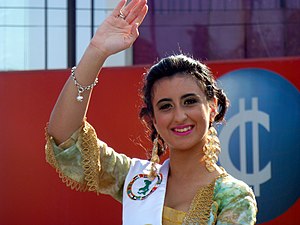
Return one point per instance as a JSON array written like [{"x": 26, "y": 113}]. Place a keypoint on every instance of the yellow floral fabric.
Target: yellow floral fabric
[
  {"x": 87, "y": 164},
  {"x": 172, "y": 216}
]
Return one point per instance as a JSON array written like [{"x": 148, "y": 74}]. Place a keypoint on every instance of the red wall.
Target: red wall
[{"x": 30, "y": 191}]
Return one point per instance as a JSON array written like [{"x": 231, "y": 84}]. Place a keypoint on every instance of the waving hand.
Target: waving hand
[
  {"x": 118, "y": 32},
  {"x": 120, "y": 29}
]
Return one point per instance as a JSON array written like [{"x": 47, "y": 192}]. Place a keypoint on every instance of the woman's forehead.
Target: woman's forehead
[{"x": 176, "y": 85}]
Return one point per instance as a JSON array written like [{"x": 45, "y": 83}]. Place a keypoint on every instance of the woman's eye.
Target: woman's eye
[
  {"x": 165, "y": 107},
  {"x": 190, "y": 101}
]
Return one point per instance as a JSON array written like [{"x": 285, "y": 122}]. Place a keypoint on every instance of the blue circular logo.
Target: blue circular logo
[{"x": 261, "y": 137}]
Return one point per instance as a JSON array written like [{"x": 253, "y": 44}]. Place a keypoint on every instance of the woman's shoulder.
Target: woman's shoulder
[
  {"x": 227, "y": 187},
  {"x": 235, "y": 201},
  {"x": 228, "y": 181}
]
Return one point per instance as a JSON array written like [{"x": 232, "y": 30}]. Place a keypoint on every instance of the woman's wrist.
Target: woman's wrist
[
  {"x": 98, "y": 52},
  {"x": 90, "y": 64}
]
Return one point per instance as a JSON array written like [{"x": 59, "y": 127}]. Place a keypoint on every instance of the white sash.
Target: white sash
[{"x": 143, "y": 199}]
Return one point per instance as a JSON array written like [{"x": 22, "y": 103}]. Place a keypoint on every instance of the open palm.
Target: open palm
[{"x": 116, "y": 33}]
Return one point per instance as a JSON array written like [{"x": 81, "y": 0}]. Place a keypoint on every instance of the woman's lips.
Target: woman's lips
[{"x": 183, "y": 130}]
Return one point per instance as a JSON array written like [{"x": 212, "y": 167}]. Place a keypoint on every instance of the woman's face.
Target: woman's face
[{"x": 181, "y": 112}]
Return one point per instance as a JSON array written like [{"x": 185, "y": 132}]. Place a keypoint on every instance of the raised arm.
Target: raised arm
[{"x": 117, "y": 33}]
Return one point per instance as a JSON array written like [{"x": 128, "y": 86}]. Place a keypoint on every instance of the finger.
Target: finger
[
  {"x": 116, "y": 11},
  {"x": 139, "y": 19},
  {"x": 136, "y": 11},
  {"x": 126, "y": 10}
]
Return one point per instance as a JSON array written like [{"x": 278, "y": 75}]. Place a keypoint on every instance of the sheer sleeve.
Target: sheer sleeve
[
  {"x": 236, "y": 203},
  {"x": 87, "y": 164}
]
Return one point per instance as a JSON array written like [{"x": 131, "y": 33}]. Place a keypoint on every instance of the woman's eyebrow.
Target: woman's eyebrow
[{"x": 189, "y": 95}]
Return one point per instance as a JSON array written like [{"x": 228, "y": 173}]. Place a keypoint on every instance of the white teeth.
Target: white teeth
[{"x": 183, "y": 129}]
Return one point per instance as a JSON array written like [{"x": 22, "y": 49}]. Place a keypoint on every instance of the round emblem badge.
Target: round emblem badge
[
  {"x": 260, "y": 141},
  {"x": 141, "y": 186}
]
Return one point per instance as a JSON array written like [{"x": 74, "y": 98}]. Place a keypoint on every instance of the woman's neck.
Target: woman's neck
[
  {"x": 185, "y": 163},
  {"x": 189, "y": 164}
]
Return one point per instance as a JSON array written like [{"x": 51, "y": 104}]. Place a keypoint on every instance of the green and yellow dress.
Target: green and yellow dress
[{"x": 87, "y": 164}]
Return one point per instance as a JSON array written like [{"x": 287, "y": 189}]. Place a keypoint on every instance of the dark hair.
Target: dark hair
[{"x": 168, "y": 67}]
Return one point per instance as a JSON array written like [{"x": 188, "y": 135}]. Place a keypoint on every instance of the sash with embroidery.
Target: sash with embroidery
[{"x": 143, "y": 198}]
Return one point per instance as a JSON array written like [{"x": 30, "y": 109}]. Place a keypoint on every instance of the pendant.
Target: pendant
[{"x": 79, "y": 98}]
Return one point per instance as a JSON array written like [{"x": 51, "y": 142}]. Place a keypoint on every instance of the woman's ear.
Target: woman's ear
[
  {"x": 154, "y": 121},
  {"x": 213, "y": 104}
]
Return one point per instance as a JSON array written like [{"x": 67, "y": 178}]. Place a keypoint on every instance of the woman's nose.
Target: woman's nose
[{"x": 179, "y": 115}]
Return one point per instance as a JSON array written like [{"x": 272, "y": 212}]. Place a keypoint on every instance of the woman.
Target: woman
[{"x": 182, "y": 103}]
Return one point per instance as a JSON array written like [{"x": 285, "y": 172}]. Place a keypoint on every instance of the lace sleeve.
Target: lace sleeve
[{"x": 87, "y": 164}]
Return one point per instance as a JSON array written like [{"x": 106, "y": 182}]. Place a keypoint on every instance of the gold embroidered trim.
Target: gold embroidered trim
[
  {"x": 200, "y": 209},
  {"x": 90, "y": 160},
  {"x": 90, "y": 157},
  {"x": 50, "y": 158}
]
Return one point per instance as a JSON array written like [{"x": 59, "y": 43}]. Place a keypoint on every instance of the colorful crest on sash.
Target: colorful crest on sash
[{"x": 140, "y": 187}]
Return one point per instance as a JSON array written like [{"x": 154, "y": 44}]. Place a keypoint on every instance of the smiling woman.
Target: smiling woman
[
  {"x": 181, "y": 105},
  {"x": 181, "y": 109}
]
